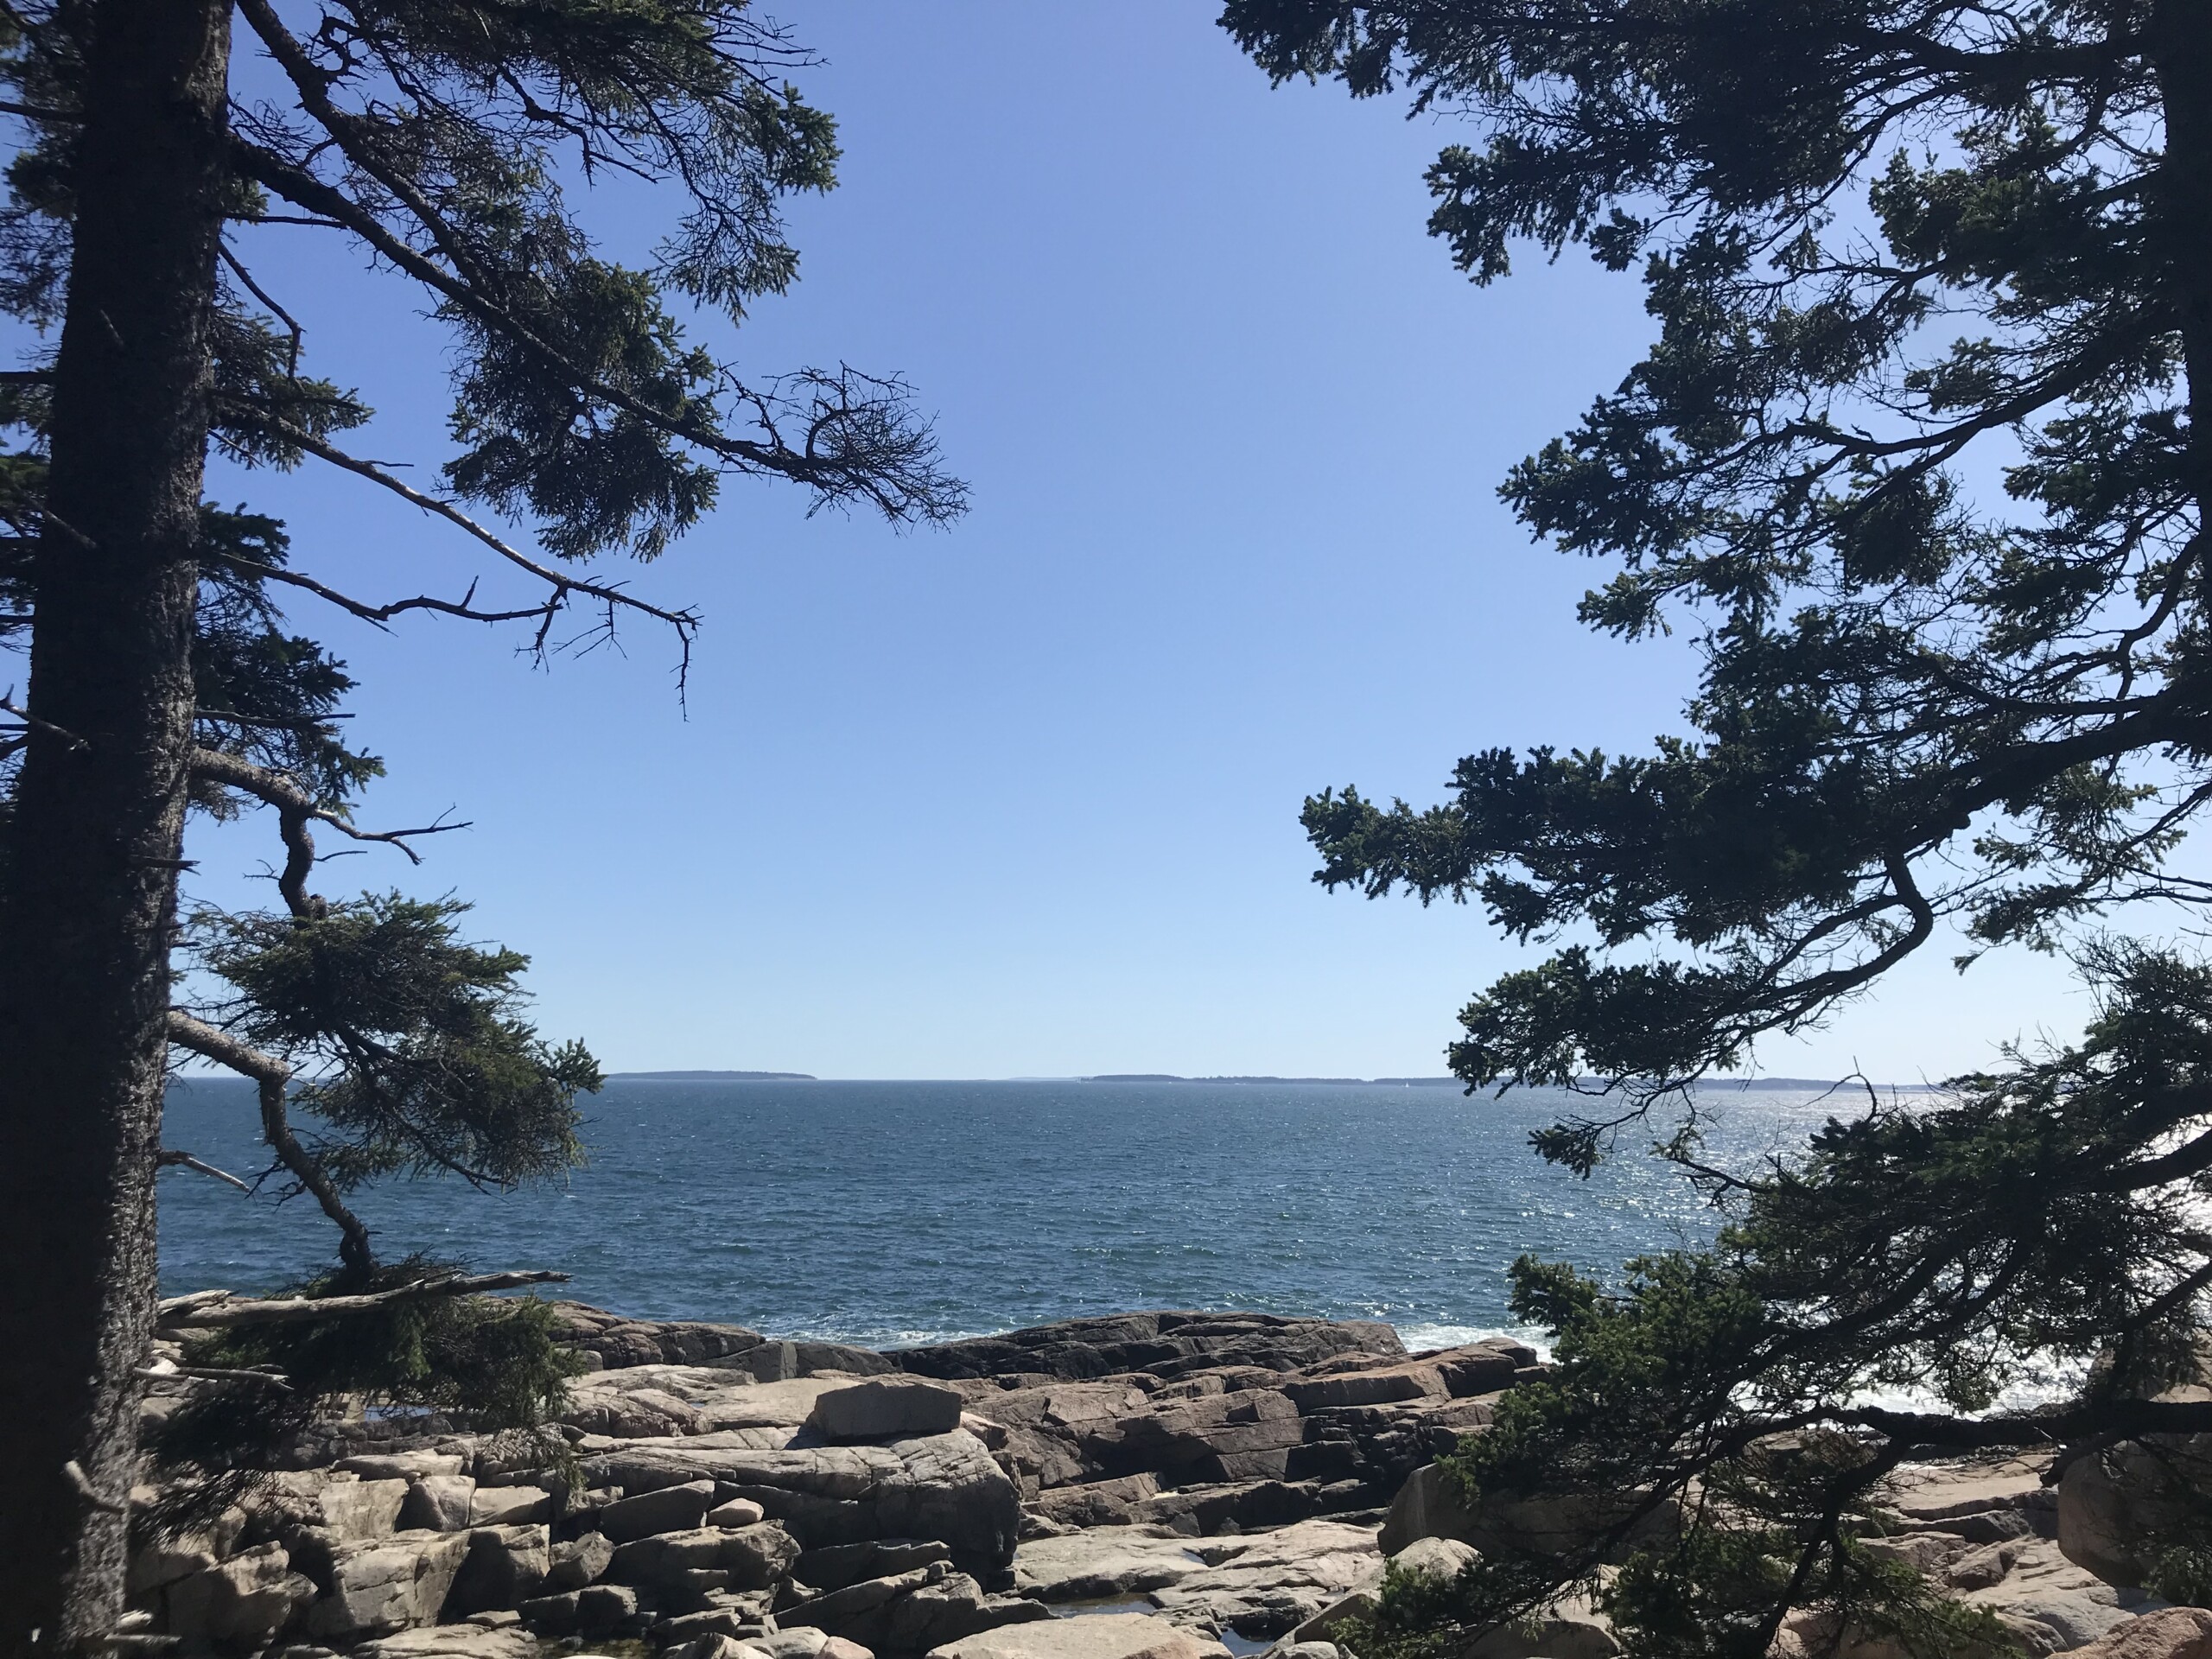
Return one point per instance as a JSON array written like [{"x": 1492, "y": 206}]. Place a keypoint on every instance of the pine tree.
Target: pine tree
[
  {"x": 1919, "y": 463},
  {"x": 444, "y": 143}
]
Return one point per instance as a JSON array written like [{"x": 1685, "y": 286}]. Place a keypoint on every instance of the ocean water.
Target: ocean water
[{"x": 892, "y": 1213}]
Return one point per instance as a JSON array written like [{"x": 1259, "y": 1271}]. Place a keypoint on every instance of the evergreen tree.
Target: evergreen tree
[
  {"x": 1919, "y": 461},
  {"x": 443, "y": 143}
]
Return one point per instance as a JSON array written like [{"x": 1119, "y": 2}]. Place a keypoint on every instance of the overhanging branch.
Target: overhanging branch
[{"x": 273, "y": 1077}]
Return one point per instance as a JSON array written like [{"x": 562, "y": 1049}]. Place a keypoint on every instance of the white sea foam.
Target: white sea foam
[{"x": 1420, "y": 1338}]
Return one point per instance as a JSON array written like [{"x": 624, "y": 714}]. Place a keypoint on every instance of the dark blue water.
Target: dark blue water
[{"x": 884, "y": 1213}]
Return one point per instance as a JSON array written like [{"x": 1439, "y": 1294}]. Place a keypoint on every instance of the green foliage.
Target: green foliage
[
  {"x": 1890, "y": 251},
  {"x": 1913, "y": 463},
  {"x": 268, "y": 696},
  {"x": 490, "y": 1361},
  {"x": 443, "y": 143},
  {"x": 418, "y": 1061}
]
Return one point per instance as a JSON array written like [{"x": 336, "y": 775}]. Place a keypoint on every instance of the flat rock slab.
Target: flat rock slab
[
  {"x": 655, "y": 1402},
  {"x": 2171, "y": 1633},
  {"x": 1270, "y": 1583},
  {"x": 2044, "y": 1589},
  {"x": 1941, "y": 1491},
  {"x": 453, "y": 1641},
  {"x": 1103, "y": 1561},
  {"x": 1101, "y": 1636}
]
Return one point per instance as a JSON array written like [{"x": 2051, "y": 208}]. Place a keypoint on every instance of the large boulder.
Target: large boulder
[
  {"x": 239, "y": 1603},
  {"x": 511, "y": 1506},
  {"x": 337, "y": 1505},
  {"x": 578, "y": 1562},
  {"x": 163, "y": 1561},
  {"x": 2169, "y": 1633},
  {"x": 1449, "y": 1374},
  {"x": 1165, "y": 1344},
  {"x": 387, "y": 1585},
  {"x": 1233, "y": 1506},
  {"x": 1095, "y": 1502},
  {"x": 840, "y": 1565},
  {"x": 750, "y": 1558},
  {"x": 940, "y": 1486},
  {"x": 911, "y": 1612},
  {"x": 438, "y": 1503},
  {"x": 1429, "y": 1505},
  {"x": 2114, "y": 1505},
  {"x": 669, "y": 1509},
  {"x": 2051, "y": 1603},
  {"x": 806, "y": 1643},
  {"x": 1054, "y": 1433},
  {"x": 1432, "y": 1505},
  {"x": 1246, "y": 1435},
  {"x": 1434, "y": 1558},
  {"x": 886, "y": 1408},
  {"x": 658, "y": 1401},
  {"x": 1104, "y": 1635},
  {"x": 505, "y": 1567},
  {"x": 1568, "y": 1629}
]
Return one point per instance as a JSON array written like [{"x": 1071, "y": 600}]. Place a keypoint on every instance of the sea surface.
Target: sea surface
[{"x": 892, "y": 1213}]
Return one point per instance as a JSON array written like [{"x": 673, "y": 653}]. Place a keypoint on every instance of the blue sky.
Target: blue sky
[{"x": 1021, "y": 798}]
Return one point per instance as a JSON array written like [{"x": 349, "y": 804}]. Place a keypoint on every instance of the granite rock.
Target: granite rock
[
  {"x": 1105, "y": 1636},
  {"x": 886, "y": 1408},
  {"x": 1164, "y": 1344},
  {"x": 941, "y": 1486}
]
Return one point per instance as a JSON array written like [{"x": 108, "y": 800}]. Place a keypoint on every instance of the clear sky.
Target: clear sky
[{"x": 1021, "y": 798}]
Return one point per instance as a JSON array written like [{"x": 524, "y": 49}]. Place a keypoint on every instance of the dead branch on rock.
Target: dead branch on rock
[
  {"x": 276, "y": 1380},
  {"x": 290, "y": 1310}
]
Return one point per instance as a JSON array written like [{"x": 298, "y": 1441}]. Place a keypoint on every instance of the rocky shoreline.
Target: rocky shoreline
[{"x": 1162, "y": 1485}]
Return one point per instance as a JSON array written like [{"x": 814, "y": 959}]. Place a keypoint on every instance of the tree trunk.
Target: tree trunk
[
  {"x": 2181, "y": 56},
  {"x": 86, "y": 935}
]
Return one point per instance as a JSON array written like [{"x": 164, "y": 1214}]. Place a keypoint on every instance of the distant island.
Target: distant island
[
  {"x": 1169, "y": 1077},
  {"x": 1715, "y": 1084},
  {"x": 1712, "y": 1085},
  {"x": 712, "y": 1076}
]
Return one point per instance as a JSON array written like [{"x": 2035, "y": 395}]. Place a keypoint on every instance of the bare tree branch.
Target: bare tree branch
[
  {"x": 37, "y": 111},
  {"x": 69, "y": 739},
  {"x": 238, "y": 270},
  {"x": 296, "y": 810},
  {"x": 275, "y": 1380},
  {"x": 611, "y": 595},
  {"x": 274, "y": 1076},
  {"x": 380, "y": 614},
  {"x": 169, "y": 1160}
]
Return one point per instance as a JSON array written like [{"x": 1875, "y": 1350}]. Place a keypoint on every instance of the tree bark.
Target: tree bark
[
  {"x": 90, "y": 913},
  {"x": 2181, "y": 57}
]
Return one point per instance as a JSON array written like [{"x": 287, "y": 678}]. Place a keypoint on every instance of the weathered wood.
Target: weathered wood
[{"x": 293, "y": 1310}]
